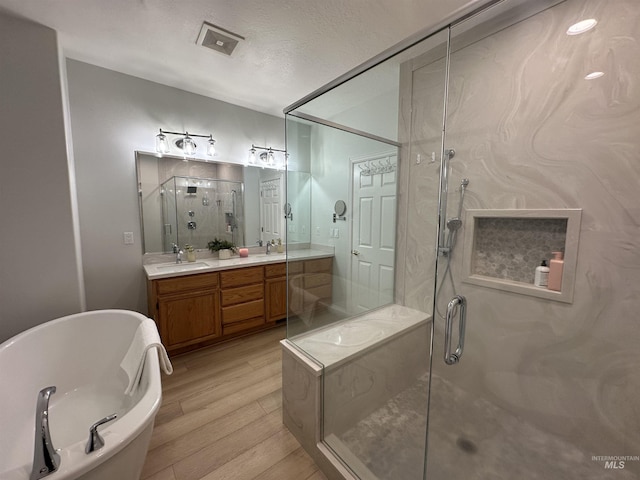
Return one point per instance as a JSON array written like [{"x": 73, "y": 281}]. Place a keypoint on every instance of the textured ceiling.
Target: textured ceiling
[{"x": 291, "y": 47}]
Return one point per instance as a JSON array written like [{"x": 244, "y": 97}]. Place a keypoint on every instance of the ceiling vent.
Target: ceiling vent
[{"x": 218, "y": 39}]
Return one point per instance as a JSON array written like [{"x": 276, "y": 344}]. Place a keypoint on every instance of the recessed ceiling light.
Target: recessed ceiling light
[
  {"x": 581, "y": 27},
  {"x": 594, "y": 75}
]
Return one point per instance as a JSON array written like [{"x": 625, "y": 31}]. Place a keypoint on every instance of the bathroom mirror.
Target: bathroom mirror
[{"x": 191, "y": 202}]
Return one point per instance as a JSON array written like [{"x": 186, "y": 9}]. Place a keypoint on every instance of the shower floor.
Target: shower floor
[{"x": 482, "y": 442}]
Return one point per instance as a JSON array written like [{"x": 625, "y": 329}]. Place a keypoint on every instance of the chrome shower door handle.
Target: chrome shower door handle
[{"x": 457, "y": 303}]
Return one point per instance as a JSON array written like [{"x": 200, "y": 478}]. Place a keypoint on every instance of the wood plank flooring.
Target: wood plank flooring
[{"x": 221, "y": 417}]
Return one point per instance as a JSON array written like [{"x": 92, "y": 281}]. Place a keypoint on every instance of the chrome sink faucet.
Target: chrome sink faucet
[
  {"x": 268, "y": 248},
  {"x": 45, "y": 458},
  {"x": 178, "y": 252}
]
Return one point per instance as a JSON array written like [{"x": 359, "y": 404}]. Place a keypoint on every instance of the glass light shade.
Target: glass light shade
[
  {"x": 188, "y": 146},
  {"x": 252, "y": 156},
  {"x": 162, "y": 145},
  {"x": 270, "y": 158},
  {"x": 211, "y": 147}
]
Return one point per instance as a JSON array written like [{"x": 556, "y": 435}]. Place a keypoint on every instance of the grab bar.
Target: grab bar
[
  {"x": 45, "y": 458},
  {"x": 96, "y": 442},
  {"x": 461, "y": 303}
]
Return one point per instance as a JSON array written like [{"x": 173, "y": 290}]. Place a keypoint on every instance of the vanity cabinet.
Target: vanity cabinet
[
  {"x": 242, "y": 299},
  {"x": 192, "y": 311},
  {"x": 187, "y": 310}
]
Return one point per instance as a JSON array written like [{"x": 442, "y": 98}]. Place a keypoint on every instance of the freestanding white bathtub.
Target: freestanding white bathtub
[{"x": 80, "y": 355}]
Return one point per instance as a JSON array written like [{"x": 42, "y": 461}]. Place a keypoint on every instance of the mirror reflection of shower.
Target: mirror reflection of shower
[
  {"x": 195, "y": 210},
  {"x": 233, "y": 223}
]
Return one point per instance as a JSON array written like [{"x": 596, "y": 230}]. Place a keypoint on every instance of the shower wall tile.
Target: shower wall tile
[
  {"x": 356, "y": 388},
  {"x": 531, "y": 133}
]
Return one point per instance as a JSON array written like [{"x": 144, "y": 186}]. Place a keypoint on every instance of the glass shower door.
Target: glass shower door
[{"x": 540, "y": 155}]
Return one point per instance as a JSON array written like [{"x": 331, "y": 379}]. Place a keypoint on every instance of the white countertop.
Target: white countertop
[{"x": 172, "y": 269}]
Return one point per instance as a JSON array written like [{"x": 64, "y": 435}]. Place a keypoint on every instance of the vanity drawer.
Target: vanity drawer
[
  {"x": 187, "y": 283},
  {"x": 243, "y": 311},
  {"x": 318, "y": 265},
  {"x": 242, "y": 326},
  {"x": 296, "y": 267},
  {"x": 241, "y": 276},
  {"x": 275, "y": 270},
  {"x": 316, "y": 279},
  {"x": 232, "y": 296}
]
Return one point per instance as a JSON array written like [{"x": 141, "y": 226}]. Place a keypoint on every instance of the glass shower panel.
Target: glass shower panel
[
  {"x": 543, "y": 124},
  {"x": 356, "y": 282},
  {"x": 369, "y": 147}
]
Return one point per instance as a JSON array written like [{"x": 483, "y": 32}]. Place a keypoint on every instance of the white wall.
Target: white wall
[
  {"x": 38, "y": 264},
  {"x": 112, "y": 116}
]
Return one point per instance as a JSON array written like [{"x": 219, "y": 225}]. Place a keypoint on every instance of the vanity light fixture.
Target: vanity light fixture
[
  {"x": 184, "y": 143},
  {"x": 582, "y": 26},
  {"x": 267, "y": 156}
]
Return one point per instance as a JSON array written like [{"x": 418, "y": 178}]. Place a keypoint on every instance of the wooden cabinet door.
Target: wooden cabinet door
[
  {"x": 276, "y": 298},
  {"x": 189, "y": 318}
]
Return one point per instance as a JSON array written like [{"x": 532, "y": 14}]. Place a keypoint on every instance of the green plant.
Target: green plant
[
  {"x": 279, "y": 241},
  {"x": 216, "y": 245},
  {"x": 189, "y": 248}
]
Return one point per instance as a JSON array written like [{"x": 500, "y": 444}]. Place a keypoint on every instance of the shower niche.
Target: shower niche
[
  {"x": 503, "y": 248},
  {"x": 196, "y": 210}
]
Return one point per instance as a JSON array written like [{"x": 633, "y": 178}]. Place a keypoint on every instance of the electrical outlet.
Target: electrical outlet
[{"x": 128, "y": 238}]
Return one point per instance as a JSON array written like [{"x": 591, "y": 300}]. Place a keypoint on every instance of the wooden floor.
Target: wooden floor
[{"x": 221, "y": 417}]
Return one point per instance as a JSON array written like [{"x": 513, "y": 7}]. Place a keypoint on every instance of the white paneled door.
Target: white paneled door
[
  {"x": 271, "y": 214},
  {"x": 373, "y": 232}
]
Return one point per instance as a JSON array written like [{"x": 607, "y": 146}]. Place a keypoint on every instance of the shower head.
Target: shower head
[
  {"x": 464, "y": 183},
  {"x": 454, "y": 223}
]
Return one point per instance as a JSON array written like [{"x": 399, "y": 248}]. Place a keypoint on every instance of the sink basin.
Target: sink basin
[{"x": 181, "y": 267}]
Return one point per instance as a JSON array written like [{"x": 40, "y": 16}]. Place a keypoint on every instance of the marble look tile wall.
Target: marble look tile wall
[{"x": 531, "y": 132}]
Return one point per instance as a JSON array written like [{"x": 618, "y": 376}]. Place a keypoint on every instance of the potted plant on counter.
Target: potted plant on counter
[{"x": 224, "y": 248}]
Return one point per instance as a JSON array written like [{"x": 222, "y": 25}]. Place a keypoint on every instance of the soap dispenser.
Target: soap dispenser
[
  {"x": 541, "y": 278},
  {"x": 556, "y": 265}
]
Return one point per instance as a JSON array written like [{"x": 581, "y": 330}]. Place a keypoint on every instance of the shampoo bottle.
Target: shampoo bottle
[
  {"x": 542, "y": 275},
  {"x": 556, "y": 265}
]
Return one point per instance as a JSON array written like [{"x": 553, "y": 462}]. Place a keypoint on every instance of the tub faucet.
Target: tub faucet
[
  {"x": 178, "y": 252},
  {"x": 96, "y": 442},
  {"x": 45, "y": 458}
]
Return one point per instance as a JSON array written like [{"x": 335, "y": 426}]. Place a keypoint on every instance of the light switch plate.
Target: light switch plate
[{"x": 128, "y": 238}]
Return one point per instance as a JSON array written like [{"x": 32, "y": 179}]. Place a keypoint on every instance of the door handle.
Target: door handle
[
  {"x": 459, "y": 304},
  {"x": 355, "y": 252}
]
